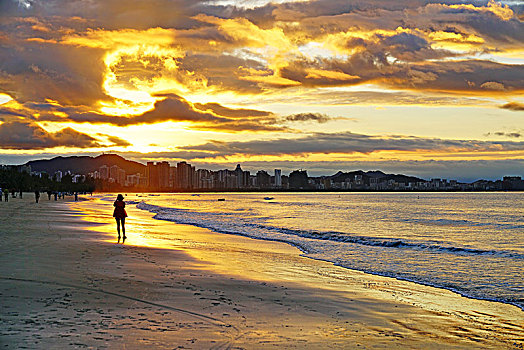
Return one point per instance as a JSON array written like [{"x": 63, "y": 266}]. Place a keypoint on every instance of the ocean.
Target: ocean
[{"x": 470, "y": 243}]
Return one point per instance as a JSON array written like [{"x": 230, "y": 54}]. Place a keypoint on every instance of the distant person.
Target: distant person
[
  {"x": 6, "y": 195},
  {"x": 37, "y": 195},
  {"x": 49, "y": 193},
  {"x": 76, "y": 196},
  {"x": 20, "y": 194},
  {"x": 56, "y": 195},
  {"x": 120, "y": 215}
]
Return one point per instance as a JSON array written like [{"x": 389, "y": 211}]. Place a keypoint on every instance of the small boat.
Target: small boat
[
  {"x": 268, "y": 198},
  {"x": 221, "y": 199}
]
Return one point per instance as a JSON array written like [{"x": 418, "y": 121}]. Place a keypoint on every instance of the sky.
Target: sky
[{"x": 425, "y": 88}]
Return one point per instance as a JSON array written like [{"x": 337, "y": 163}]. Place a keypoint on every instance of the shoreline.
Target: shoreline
[
  {"x": 266, "y": 291},
  {"x": 305, "y": 254}
]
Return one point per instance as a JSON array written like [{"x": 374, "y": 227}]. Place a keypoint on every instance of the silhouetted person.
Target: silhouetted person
[
  {"x": 76, "y": 196},
  {"x": 37, "y": 195},
  {"x": 56, "y": 195},
  {"x": 120, "y": 215},
  {"x": 49, "y": 193},
  {"x": 20, "y": 194},
  {"x": 6, "y": 195}
]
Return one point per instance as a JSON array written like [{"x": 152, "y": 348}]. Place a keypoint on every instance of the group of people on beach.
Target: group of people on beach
[{"x": 4, "y": 194}]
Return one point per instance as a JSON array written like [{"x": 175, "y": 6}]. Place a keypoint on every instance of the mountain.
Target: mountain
[
  {"x": 85, "y": 164},
  {"x": 340, "y": 176}
]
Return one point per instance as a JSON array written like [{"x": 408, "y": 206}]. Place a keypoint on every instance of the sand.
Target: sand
[{"x": 67, "y": 283}]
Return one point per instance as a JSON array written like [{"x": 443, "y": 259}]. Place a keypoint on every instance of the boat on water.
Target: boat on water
[
  {"x": 221, "y": 199},
  {"x": 268, "y": 198}
]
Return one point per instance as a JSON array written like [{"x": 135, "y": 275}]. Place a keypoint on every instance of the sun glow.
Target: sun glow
[{"x": 4, "y": 98}]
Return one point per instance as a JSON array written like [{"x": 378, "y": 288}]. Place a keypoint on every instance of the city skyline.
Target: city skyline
[
  {"x": 429, "y": 88},
  {"x": 111, "y": 172}
]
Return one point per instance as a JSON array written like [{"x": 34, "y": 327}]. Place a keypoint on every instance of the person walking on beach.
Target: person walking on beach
[
  {"x": 6, "y": 195},
  {"x": 37, "y": 195},
  {"x": 120, "y": 215}
]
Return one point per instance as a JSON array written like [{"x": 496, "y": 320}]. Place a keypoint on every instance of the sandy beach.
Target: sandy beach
[{"x": 67, "y": 283}]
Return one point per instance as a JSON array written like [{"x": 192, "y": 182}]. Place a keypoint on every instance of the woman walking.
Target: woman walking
[{"x": 120, "y": 215}]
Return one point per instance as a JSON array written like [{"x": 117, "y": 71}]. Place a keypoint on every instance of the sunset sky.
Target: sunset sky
[{"x": 426, "y": 88}]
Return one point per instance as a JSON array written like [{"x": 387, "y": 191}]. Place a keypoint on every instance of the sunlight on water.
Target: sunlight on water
[{"x": 471, "y": 243}]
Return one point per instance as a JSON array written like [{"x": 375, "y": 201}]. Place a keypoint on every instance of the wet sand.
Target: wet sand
[{"x": 67, "y": 283}]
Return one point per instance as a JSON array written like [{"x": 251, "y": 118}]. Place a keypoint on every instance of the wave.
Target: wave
[
  {"x": 450, "y": 222},
  {"x": 231, "y": 223}
]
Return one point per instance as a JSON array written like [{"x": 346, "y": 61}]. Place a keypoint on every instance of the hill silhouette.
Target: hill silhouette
[
  {"x": 341, "y": 176},
  {"x": 86, "y": 164}
]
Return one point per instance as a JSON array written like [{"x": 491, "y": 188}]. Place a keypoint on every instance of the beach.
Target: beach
[{"x": 68, "y": 283}]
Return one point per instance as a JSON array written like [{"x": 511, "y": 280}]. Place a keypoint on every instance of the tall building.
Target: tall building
[
  {"x": 152, "y": 176},
  {"x": 163, "y": 175},
  {"x": 239, "y": 177},
  {"x": 185, "y": 175},
  {"x": 263, "y": 179},
  {"x": 113, "y": 172},
  {"x": 104, "y": 172},
  {"x": 172, "y": 177},
  {"x": 278, "y": 178},
  {"x": 121, "y": 176}
]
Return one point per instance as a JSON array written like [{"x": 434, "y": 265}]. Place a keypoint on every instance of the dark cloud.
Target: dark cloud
[
  {"x": 172, "y": 108},
  {"x": 26, "y": 135},
  {"x": 304, "y": 117},
  {"x": 32, "y": 70},
  {"x": 347, "y": 142},
  {"x": 116, "y": 141},
  {"x": 511, "y": 134},
  {"x": 513, "y": 106},
  {"x": 239, "y": 113}
]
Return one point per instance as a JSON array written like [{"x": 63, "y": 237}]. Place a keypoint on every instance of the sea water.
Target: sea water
[{"x": 471, "y": 243}]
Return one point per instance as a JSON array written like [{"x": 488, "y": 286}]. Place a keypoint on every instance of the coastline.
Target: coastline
[{"x": 210, "y": 290}]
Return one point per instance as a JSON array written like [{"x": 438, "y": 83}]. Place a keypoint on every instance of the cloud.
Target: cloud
[
  {"x": 347, "y": 143},
  {"x": 171, "y": 108},
  {"x": 239, "y": 113},
  {"x": 304, "y": 117},
  {"x": 513, "y": 106},
  {"x": 26, "y": 135},
  {"x": 511, "y": 134}
]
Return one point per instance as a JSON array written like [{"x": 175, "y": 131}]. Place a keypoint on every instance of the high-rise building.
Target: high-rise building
[
  {"x": 278, "y": 178},
  {"x": 172, "y": 177},
  {"x": 239, "y": 177},
  {"x": 104, "y": 172},
  {"x": 263, "y": 179},
  {"x": 185, "y": 175},
  {"x": 121, "y": 176},
  {"x": 163, "y": 175},
  {"x": 152, "y": 176},
  {"x": 113, "y": 172}
]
